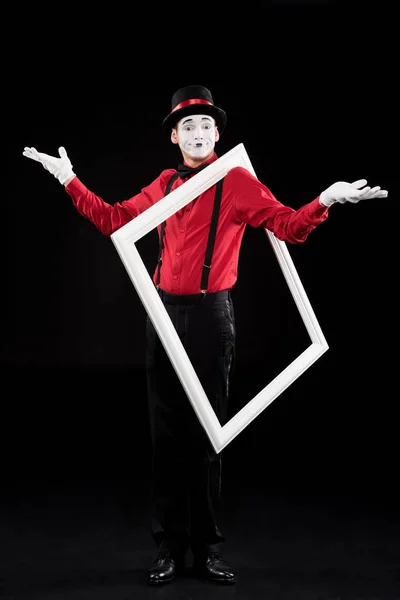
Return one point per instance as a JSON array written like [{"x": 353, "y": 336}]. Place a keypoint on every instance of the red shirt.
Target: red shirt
[{"x": 245, "y": 201}]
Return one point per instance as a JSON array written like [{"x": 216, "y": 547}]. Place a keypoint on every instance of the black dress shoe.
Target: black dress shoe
[
  {"x": 215, "y": 568},
  {"x": 162, "y": 570}
]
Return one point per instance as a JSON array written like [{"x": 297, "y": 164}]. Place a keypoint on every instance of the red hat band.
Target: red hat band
[{"x": 189, "y": 102}]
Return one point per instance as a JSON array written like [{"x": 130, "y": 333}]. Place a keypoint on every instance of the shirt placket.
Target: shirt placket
[{"x": 183, "y": 218}]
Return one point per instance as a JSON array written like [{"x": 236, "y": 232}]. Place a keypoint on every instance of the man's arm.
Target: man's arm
[
  {"x": 256, "y": 205},
  {"x": 106, "y": 217}
]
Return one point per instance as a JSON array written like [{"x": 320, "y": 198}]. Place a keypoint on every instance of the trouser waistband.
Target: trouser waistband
[{"x": 209, "y": 297}]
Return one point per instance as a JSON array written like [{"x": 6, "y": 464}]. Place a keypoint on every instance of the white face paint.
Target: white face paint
[{"x": 196, "y": 135}]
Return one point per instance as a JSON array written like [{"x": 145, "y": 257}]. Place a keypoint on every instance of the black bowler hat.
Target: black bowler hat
[{"x": 193, "y": 100}]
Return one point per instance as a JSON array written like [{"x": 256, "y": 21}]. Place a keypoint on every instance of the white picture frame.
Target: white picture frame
[{"x": 124, "y": 240}]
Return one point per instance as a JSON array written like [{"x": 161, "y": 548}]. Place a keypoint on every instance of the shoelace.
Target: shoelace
[
  {"x": 215, "y": 555},
  {"x": 163, "y": 554}
]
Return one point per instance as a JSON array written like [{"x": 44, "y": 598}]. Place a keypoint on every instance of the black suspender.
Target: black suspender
[
  {"x": 161, "y": 246},
  {"x": 211, "y": 236}
]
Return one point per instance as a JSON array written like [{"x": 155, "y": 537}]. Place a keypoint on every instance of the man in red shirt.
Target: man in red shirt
[{"x": 196, "y": 270}]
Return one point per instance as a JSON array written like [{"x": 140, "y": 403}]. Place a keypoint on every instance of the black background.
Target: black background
[{"x": 310, "y": 94}]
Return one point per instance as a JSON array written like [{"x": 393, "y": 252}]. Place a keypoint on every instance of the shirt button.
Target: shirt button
[
  {"x": 178, "y": 253},
  {"x": 182, "y": 230},
  {"x": 175, "y": 276}
]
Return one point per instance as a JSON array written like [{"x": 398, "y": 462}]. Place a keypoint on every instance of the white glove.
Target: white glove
[
  {"x": 350, "y": 192},
  {"x": 61, "y": 167}
]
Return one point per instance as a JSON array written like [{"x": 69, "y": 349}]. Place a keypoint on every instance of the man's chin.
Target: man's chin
[{"x": 200, "y": 155}]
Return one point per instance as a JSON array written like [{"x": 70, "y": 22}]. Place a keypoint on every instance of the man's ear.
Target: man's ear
[
  {"x": 216, "y": 134},
  {"x": 174, "y": 136}
]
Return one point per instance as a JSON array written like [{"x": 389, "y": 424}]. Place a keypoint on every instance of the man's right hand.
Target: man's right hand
[{"x": 61, "y": 167}]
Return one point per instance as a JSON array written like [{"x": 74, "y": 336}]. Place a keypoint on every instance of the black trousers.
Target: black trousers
[{"x": 186, "y": 470}]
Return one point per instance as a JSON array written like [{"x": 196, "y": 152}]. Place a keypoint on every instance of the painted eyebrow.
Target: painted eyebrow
[{"x": 190, "y": 120}]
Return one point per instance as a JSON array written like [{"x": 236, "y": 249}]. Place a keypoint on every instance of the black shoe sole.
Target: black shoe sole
[
  {"x": 220, "y": 581},
  {"x": 157, "y": 582},
  {"x": 207, "y": 577}
]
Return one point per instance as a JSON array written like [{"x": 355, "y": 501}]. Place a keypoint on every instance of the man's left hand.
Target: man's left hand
[{"x": 342, "y": 192}]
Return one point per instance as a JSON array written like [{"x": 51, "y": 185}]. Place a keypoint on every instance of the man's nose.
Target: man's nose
[{"x": 198, "y": 133}]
